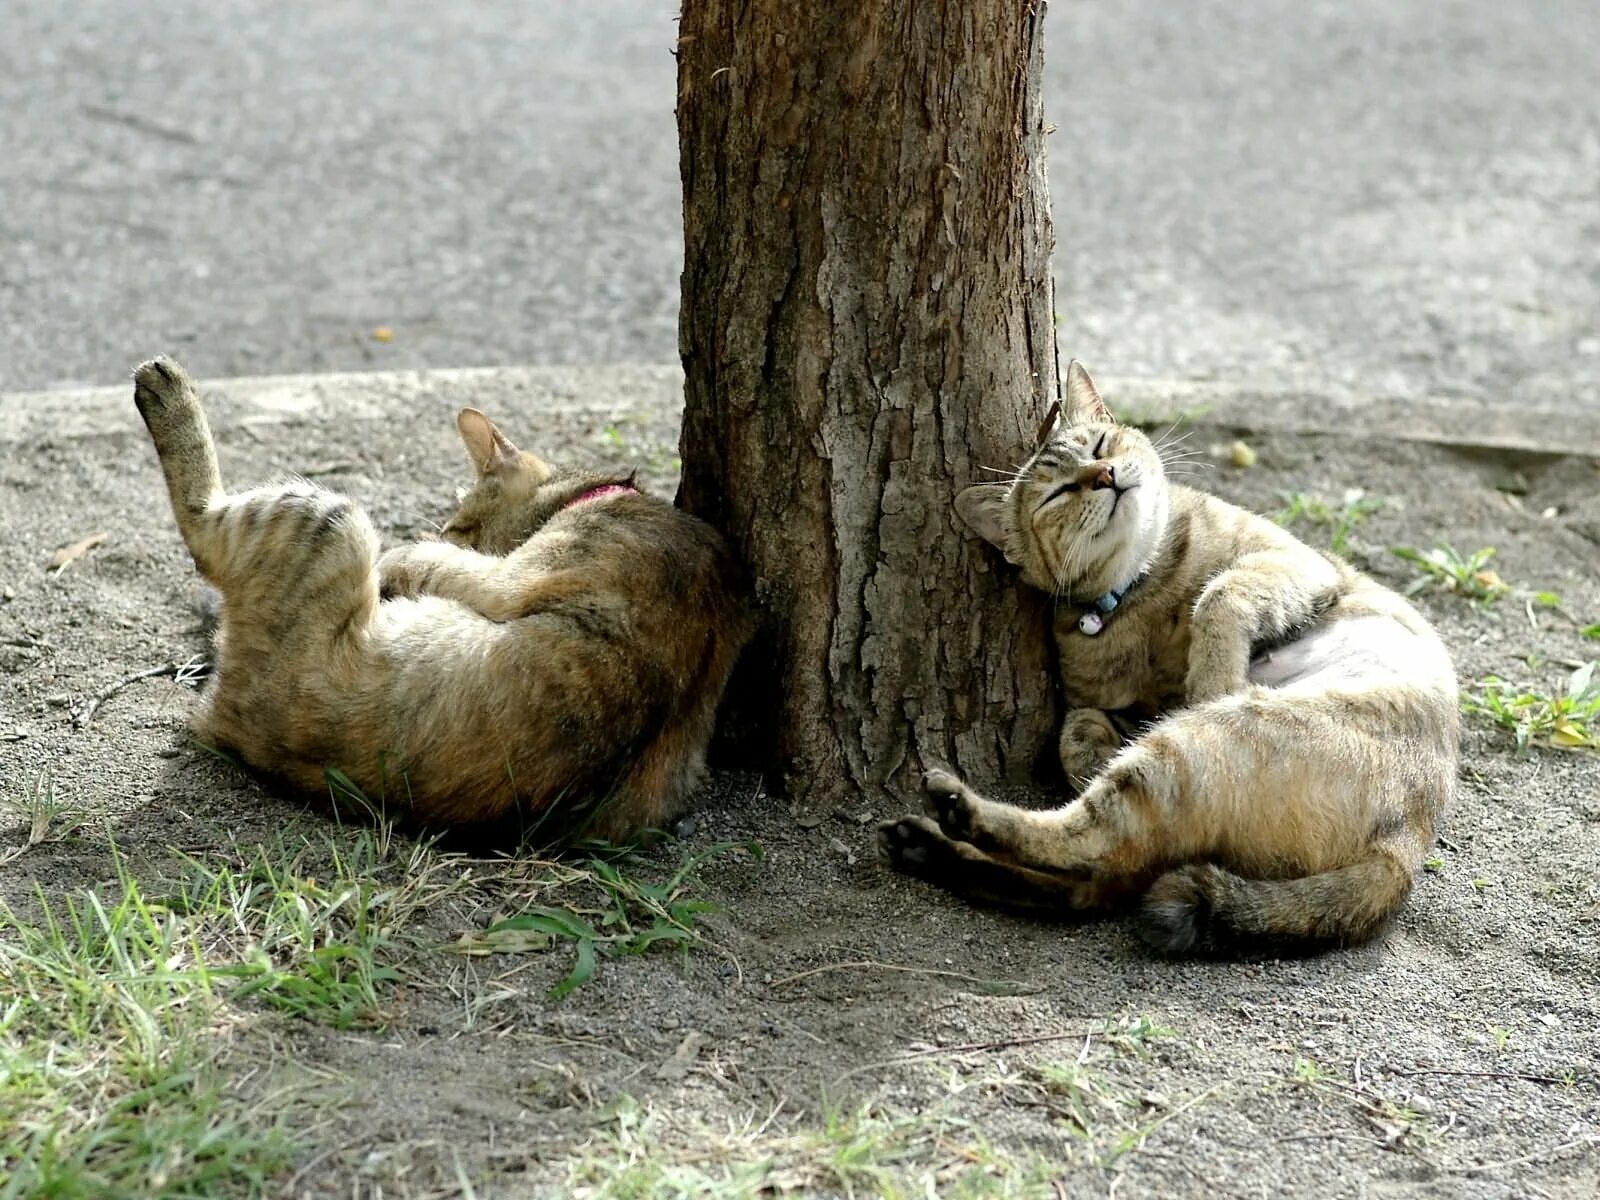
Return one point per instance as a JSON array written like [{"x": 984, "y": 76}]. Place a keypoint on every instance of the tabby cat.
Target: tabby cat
[
  {"x": 554, "y": 661},
  {"x": 1294, "y": 722}
]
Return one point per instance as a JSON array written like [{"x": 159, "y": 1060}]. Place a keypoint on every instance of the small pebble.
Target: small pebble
[{"x": 58, "y": 700}]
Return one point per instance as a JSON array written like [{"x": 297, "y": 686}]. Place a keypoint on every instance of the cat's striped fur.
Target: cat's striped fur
[
  {"x": 1295, "y": 722},
  {"x": 554, "y": 663}
]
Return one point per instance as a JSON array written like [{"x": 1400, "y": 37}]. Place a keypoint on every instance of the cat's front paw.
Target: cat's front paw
[
  {"x": 1209, "y": 681},
  {"x": 400, "y": 573},
  {"x": 952, "y": 802}
]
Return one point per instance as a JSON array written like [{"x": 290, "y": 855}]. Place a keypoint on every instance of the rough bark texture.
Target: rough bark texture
[{"x": 867, "y": 325}]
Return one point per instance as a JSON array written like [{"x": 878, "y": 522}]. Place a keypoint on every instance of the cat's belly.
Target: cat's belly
[{"x": 1335, "y": 652}]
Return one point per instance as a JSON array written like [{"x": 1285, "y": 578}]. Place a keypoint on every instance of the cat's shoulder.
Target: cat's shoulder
[{"x": 1209, "y": 519}]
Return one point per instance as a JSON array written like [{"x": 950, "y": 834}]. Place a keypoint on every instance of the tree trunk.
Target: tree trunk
[{"x": 867, "y": 327}]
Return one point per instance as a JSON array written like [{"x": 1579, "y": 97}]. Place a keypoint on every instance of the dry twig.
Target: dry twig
[{"x": 183, "y": 672}]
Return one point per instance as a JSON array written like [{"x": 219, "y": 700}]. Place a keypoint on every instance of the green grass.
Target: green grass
[
  {"x": 115, "y": 1002},
  {"x": 315, "y": 928},
  {"x": 110, "y": 1082},
  {"x": 1569, "y": 720},
  {"x": 1338, "y": 520},
  {"x": 606, "y": 910},
  {"x": 1445, "y": 569},
  {"x": 646, "y": 1153},
  {"x": 42, "y": 814},
  {"x": 1135, "y": 1035}
]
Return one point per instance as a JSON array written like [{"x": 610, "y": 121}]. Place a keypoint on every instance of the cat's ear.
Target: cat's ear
[
  {"x": 492, "y": 452},
  {"x": 983, "y": 507},
  {"x": 1083, "y": 403}
]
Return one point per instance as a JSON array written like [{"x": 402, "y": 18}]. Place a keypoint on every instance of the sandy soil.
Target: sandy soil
[{"x": 1455, "y": 1058}]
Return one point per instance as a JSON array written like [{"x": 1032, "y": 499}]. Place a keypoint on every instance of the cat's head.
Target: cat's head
[
  {"x": 515, "y": 491},
  {"x": 1086, "y": 513}
]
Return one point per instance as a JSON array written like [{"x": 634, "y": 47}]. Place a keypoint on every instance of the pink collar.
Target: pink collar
[{"x": 598, "y": 493}]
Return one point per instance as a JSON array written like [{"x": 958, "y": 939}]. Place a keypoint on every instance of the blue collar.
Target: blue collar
[{"x": 1098, "y": 612}]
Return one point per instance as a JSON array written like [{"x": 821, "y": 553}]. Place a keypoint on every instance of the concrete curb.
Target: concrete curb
[{"x": 276, "y": 399}]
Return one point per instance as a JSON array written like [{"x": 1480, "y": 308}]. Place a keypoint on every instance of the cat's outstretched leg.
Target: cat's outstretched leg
[
  {"x": 167, "y": 401},
  {"x": 1132, "y": 816},
  {"x": 917, "y": 846}
]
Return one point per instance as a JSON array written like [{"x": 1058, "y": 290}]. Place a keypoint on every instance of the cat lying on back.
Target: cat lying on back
[
  {"x": 554, "y": 662},
  {"x": 1304, "y": 720}
]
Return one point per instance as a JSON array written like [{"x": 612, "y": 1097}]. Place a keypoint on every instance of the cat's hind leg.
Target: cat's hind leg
[
  {"x": 291, "y": 555},
  {"x": 917, "y": 847},
  {"x": 167, "y": 401}
]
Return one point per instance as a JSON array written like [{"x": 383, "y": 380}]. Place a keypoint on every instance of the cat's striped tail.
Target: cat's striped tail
[{"x": 1203, "y": 909}]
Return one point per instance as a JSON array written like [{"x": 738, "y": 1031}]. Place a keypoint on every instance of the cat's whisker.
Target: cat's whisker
[
  {"x": 1013, "y": 473},
  {"x": 1166, "y": 439}
]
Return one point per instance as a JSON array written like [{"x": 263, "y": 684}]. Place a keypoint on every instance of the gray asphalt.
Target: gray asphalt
[{"x": 1400, "y": 197}]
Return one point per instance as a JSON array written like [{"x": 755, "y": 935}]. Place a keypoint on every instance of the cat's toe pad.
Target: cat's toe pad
[
  {"x": 161, "y": 389},
  {"x": 951, "y": 802},
  {"x": 911, "y": 843}
]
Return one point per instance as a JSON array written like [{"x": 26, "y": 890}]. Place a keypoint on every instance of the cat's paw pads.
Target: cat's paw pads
[
  {"x": 911, "y": 843},
  {"x": 157, "y": 383},
  {"x": 951, "y": 802},
  {"x": 165, "y": 398}
]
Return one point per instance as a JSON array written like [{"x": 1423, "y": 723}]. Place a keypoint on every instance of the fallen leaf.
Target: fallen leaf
[
  {"x": 1568, "y": 734},
  {"x": 67, "y": 555},
  {"x": 1491, "y": 581},
  {"x": 501, "y": 941},
  {"x": 383, "y": 334},
  {"x": 682, "y": 1059},
  {"x": 1242, "y": 455}
]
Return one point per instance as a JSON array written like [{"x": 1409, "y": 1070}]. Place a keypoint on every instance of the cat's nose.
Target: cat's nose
[{"x": 1105, "y": 475}]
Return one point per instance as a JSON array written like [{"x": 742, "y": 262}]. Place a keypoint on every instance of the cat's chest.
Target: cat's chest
[{"x": 1137, "y": 660}]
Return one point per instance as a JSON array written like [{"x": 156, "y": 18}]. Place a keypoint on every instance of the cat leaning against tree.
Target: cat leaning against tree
[
  {"x": 552, "y": 665},
  {"x": 1293, "y": 723}
]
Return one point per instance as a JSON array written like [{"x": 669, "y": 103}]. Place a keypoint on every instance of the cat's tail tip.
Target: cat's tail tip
[{"x": 1179, "y": 916}]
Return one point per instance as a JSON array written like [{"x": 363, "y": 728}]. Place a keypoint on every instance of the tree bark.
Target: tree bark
[{"x": 868, "y": 326}]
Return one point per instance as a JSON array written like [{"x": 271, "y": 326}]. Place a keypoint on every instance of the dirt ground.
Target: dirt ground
[{"x": 840, "y": 1029}]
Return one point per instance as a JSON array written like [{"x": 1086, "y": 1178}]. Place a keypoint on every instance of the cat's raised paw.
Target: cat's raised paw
[{"x": 162, "y": 393}]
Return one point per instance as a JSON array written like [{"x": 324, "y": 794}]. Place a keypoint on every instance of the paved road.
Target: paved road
[{"x": 1397, "y": 195}]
